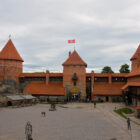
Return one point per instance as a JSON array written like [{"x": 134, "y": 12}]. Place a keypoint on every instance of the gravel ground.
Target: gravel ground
[{"x": 73, "y": 121}]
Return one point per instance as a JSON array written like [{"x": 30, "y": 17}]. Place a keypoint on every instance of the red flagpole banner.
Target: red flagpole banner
[{"x": 71, "y": 41}]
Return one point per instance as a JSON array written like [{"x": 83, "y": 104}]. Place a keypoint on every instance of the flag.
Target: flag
[{"x": 71, "y": 41}]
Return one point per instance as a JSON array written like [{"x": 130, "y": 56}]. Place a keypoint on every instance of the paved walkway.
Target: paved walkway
[
  {"x": 74, "y": 121},
  {"x": 108, "y": 108}
]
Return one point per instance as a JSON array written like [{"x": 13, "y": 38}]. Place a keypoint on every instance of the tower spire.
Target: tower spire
[{"x": 9, "y": 37}]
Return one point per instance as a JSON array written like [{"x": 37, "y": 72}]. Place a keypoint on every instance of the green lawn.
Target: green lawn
[
  {"x": 121, "y": 112},
  {"x": 126, "y": 110}
]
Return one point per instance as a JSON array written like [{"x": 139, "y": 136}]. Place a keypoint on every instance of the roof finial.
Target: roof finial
[{"x": 9, "y": 37}]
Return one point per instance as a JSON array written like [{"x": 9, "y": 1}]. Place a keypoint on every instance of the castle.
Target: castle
[{"x": 74, "y": 82}]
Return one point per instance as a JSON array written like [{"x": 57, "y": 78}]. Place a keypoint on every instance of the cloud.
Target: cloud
[{"x": 106, "y": 32}]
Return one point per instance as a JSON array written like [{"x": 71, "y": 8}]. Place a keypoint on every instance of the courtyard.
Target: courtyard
[{"x": 72, "y": 121}]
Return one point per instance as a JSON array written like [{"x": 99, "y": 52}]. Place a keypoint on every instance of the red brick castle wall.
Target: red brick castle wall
[
  {"x": 10, "y": 62},
  {"x": 68, "y": 72},
  {"x": 10, "y": 69}
]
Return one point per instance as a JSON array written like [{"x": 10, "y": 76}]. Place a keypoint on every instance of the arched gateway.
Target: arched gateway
[{"x": 74, "y": 94}]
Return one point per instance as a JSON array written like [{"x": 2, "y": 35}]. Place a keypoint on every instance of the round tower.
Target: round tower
[
  {"x": 135, "y": 60},
  {"x": 10, "y": 62}
]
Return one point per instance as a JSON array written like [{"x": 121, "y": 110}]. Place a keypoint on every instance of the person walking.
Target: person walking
[
  {"x": 128, "y": 124},
  {"x": 94, "y": 104}
]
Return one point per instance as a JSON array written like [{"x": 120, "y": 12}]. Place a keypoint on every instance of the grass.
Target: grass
[
  {"x": 126, "y": 110},
  {"x": 135, "y": 122},
  {"x": 121, "y": 111},
  {"x": 62, "y": 106}
]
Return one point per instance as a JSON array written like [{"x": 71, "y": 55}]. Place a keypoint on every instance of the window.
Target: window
[
  {"x": 74, "y": 83},
  {"x": 56, "y": 79},
  {"x": 119, "y": 79},
  {"x": 101, "y": 79}
]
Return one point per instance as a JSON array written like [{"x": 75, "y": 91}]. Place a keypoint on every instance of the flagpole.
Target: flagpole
[
  {"x": 72, "y": 41},
  {"x": 74, "y": 44}
]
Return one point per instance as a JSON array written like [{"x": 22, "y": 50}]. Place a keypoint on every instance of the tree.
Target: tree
[
  {"x": 107, "y": 69},
  {"x": 124, "y": 68}
]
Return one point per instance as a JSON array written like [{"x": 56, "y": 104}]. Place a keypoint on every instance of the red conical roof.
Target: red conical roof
[
  {"x": 10, "y": 52},
  {"x": 74, "y": 59},
  {"x": 136, "y": 53}
]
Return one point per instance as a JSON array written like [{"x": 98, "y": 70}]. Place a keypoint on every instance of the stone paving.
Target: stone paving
[
  {"x": 121, "y": 122},
  {"x": 73, "y": 121}
]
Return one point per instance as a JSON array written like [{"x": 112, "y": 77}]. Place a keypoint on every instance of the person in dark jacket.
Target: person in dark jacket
[
  {"x": 128, "y": 124},
  {"x": 94, "y": 104}
]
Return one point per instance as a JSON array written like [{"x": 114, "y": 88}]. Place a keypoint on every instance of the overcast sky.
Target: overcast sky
[{"x": 107, "y": 32}]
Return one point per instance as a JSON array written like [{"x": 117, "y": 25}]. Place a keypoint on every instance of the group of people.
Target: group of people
[{"x": 74, "y": 97}]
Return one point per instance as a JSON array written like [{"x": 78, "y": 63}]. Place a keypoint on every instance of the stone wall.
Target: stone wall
[{"x": 9, "y": 86}]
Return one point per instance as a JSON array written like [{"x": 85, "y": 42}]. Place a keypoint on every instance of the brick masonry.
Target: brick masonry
[
  {"x": 68, "y": 72},
  {"x": 10, "y": 69}
]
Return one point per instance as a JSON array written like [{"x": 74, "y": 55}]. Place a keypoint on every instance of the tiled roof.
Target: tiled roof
[
  {"x": 107, "y": 89},
  {"x": 32, "y": 74},
  {"x": 112, "y": 74},
  {"x": 10, "y": 52},
  {"x": 15, "y": 97},
  {"x": 40, "y": 88},
  {"x": 28, "y": 97},
  {"x": 74, "y": 59},
  {"x": 43, "y": 74},
  {"x": 107, "y": 74},
  {"x": 138, "y": 107},
  {"x": 134, "y": 73},
  {"x": 119, "y": 74},
  {"x": 40, "y": 74},
  {"x": 136, "y": 53},
  {"x": 136, "y": 84},
  {"x": 124, "y": 87},
  {"x": 55, "y": 74}
]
